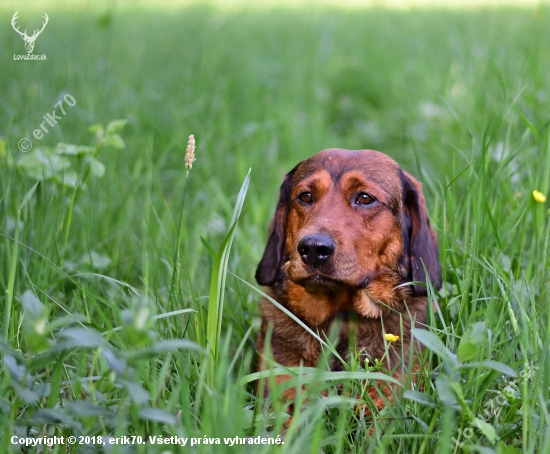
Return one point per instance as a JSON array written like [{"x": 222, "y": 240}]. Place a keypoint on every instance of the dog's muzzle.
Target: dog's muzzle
[{"x": 315, "y": 250}]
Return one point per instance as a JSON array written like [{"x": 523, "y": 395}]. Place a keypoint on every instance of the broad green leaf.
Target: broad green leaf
[
  {"x": 83, "y": 337},
  {"x": 434, "y": 343},
  {"x": 9, "y": 350},
  {"x": 87, "y": 408},
  {"x": 66, "y": 320},
  {"x": 478, "y": 332},
  {"x": 503, "y": 449},
  {"x": 32, "y": 306},
  {"x": 421, "y": 398},
  {"x": 97, "y": 168},
  {"x": 114, "y": 140},
  {"x": 135, "y": 391},
  {"x": 494, "y": 365},
  {"x": 471, "y": 342},
  {"x": 42, "y": 164},
  {"x": 96, "y": 128},
  {"x": 74, "y": 150},
  {"x": 25, "y": 394},
  {"x": 68, "y": 178},
  {"x": 35, "y": 335},
  {"x": 42, "y": 389},
  {"x": 54, "y": 416},
  {"x": 94, "y": 260},
  {"x": 116, "y": 364},
  {"x": 467, "y": 350},
  {"x": 487, "y": 429},
  {"x": 445, "y": 391},
  {"x": 481, "y": 449},
  {"x": 167, "y": 346},
  {"x": 17, "y": 372},
  {"x": 5, "y": 405},
  {"x": 115, "y": 126},
  {"x": 157, "y": 415}
]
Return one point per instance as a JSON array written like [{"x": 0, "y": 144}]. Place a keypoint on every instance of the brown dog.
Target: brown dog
[{"x": 350, "y": 227}]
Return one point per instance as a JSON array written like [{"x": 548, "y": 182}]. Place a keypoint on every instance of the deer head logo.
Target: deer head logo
[{"x": 29, "y": 40}]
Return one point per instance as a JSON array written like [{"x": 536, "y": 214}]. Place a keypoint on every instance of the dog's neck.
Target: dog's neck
[{"x": 317, "y": 307}]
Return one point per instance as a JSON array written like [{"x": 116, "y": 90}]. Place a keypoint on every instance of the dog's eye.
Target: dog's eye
[
  {"x": 365, "y": 199},
  {"x": 306, "y": 197}
]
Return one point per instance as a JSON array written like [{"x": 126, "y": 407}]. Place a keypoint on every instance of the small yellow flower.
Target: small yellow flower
[
  {"x": 539, "y": 196},
  {"x": 391, "y": 337}
]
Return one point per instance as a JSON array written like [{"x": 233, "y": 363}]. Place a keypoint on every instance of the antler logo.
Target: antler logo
[{"x": 29, "y": 40}]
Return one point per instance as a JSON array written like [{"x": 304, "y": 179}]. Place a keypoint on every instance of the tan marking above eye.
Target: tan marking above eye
[
  {"x": 354, "y": 184},
  {"x": 318, "y": 183}
]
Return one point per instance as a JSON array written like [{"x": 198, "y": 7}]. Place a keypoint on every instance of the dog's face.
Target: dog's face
[{"x": 351, "y": 223}]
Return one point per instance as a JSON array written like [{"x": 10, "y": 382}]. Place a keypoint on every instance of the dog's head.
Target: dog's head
[{"x": 351, "y": 221}]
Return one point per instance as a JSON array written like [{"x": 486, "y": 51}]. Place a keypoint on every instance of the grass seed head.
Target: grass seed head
[{"x": 190, "y": 153}]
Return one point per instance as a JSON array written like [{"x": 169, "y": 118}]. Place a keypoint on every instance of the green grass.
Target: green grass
[{"x": 105, "y": 271}]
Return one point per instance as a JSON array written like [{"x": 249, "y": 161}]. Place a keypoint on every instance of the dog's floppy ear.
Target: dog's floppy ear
[
  {"x": 423, "y": 240},
  {"x": 274, "y": 253}
]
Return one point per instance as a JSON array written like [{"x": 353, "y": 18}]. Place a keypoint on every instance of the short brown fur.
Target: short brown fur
[{"x": 378, "y": 247}]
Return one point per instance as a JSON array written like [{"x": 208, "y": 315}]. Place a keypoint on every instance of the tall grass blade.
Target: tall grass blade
[
  {"x": 217, "y": 284},
  {"x": 13, "y": 263}
]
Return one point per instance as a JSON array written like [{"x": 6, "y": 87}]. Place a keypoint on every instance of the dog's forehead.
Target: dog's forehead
[{"x": 373, "y": 165}]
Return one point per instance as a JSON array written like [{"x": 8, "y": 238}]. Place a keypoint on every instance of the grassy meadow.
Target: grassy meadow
[{"x": 125, "y": 311}]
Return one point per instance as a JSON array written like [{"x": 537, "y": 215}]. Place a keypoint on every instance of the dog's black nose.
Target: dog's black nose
[{"x": 316, "y": 249}]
